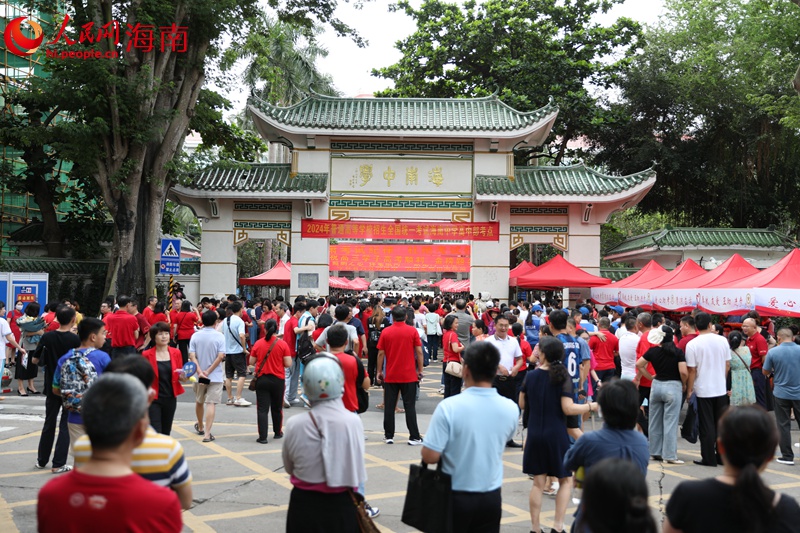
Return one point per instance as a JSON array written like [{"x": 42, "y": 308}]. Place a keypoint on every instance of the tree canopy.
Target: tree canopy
[{"x": 527, "y": 50}]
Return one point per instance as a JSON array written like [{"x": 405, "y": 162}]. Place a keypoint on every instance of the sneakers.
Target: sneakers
[
  {"x": 415, "y": 442},
  {"x": 61, "y": 469},
  {"x": 783, "y": 461},
  {"x": 372, "y": 512},
  {"x": 37, "y": 466},
  {"x": 230, "y": 401},
  {"x": 286, "y": 404},
  {"x": 674, "y": 462},
  {"x": 241, "y": 402},
  {"x": 388, "y": 440}
]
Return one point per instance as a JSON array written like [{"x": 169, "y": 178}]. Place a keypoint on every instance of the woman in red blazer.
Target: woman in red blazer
[{"x": 165, "y": 361}]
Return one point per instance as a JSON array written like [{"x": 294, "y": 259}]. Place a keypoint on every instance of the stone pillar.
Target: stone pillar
[
  {"x": 218, "y": 259},
  {"x": 489, "y": 264},
  {"x": 310, "y": 258}
]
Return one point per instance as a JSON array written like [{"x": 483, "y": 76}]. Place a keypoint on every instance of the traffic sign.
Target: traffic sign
[{"x": 170, "y": 262}]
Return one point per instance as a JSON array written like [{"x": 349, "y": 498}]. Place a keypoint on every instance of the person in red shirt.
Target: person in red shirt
[
  {"x": 401, "y": 348},
  {"x": 50, "y": 317},
  {"x": 758, "y": 352},
  {"x": 292, "y": 375},
  {"x": 13, "y": 315},
  {"x": 105, "y": 494},
  {"x": 144, "y": 329},
  {"x": 518, "y": 332},
  {"x": 270, "y": 356},
  {"x": 452, "y": 348},
  {"x": 644, "y": 323},
  {"x": 149, "y": 309},
  {"x": 337, "y": 341},
  {"x": 688, "y": 332},
  {"x": 604, "y": 350},
  {"x": 183, "y": 326},
  {"x": 157, "y": 314},
  {"x": 124, "y": 327}
]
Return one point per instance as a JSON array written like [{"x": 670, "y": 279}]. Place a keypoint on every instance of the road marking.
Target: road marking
[
  {"x": 195, "y": 523},
  {"x": 23, "y": 418},
  {"x": 6, "y": 428},
  {"x": 20, "y": 437},
  {"x": 26, "y": 406},
  {"x": 6, "y": 517}
]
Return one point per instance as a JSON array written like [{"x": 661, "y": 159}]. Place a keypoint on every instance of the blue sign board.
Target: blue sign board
[{"x": 170, "y": 262}]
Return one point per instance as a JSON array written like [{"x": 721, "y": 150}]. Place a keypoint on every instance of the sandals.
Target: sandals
[
  {"x": 198, "y": 430},
  {"x": 379, "y": 406},
  {"x": 397, "y": 410},
  {"x": 209, "y": 438}
]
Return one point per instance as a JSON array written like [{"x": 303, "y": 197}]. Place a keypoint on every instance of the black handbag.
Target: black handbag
[{"x": 429, "y": 500}]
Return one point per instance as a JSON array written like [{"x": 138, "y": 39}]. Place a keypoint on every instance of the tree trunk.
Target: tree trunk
[{"x": 52, "y": 236}]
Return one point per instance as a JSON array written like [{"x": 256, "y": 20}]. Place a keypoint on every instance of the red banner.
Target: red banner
[
  {"x": 437, "y": 231},
  {"x": 401, "y": 257}
]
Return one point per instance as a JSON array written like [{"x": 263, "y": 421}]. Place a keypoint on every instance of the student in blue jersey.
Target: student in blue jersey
[
  {"x": 476, "y": 423},
  {"x": 576, "y": 363},
  {"x": 533, "y": 323}
]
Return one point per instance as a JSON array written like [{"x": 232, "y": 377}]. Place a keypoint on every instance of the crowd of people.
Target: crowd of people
[{"x": 114, "y": 381}]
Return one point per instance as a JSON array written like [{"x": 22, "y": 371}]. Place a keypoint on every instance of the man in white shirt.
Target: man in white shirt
[
  {"x": 708, "y": 357},
  {"x": 628, "y": 341},
  {"x": 235, "y": 354},
  {"x": 510, "y": 363}
]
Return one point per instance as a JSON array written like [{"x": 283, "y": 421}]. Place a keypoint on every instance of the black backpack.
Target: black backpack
[{"x": 305, "y": 346}]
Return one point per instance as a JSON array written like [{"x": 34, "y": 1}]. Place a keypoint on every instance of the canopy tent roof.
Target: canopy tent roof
[
  {"x": 339, "y": 283},
  {"x": 522, "y": 269},
  {"x": 458, "y": 286},
  {"x": 734, "y": 268},
  {"x": 777, "y": 288},
  {"x": 359, "y": 284},
  {"x": 558, "y": 272},
  {"x": 651, "y": 271},
  {"x": 279, "y": 276},
  {"x": 423, "y": 283},
  {"x": 685, "y": 271}
]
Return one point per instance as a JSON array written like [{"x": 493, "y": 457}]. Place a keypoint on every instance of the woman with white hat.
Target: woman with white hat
[{"x": 666, "y": 394}]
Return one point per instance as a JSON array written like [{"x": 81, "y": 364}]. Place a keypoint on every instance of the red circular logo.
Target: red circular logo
[{"x": 17, "y": 43}]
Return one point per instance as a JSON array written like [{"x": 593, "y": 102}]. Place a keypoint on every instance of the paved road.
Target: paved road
[{"x": 240, "y": 485}]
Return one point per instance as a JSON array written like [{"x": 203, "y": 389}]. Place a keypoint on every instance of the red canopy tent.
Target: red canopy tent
[
  {"x": 777, "y": 288},
  {"x": 338, "y": 283},
  {"x": 442, "y": 282},
  {"x": 423, "y": 283},
  {"x": 558, "y": 272},
  {"x": 279, "y": 276},
  {"x": 610, "y": 294},
  {"x": 686, "y": 271},
  {"x": 458, "y": 286},
  {"x": 522, "y": 269},
  {"x": 684, "y": 295},
  {"x": 360, "y": 284}
]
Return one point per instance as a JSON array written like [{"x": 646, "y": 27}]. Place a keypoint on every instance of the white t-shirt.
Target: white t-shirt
[
  {"x": 621, "y": 330},
  {"x": 523, "y": 316},
  {"x": 708, "y": 353},
  {"x": 509, "y": 350},
  {"x": 627, "y": 353},
  {"x": 5, "y": 330}
]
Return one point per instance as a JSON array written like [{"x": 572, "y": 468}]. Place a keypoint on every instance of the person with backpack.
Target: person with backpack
[
  {"x": 533, "y": 323},
  {"x": 77, "y": 369}
]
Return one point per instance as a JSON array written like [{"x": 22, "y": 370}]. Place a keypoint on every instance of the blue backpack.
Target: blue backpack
[
  {"x": 77, "y": 374},
  {"x": 532, "y": 326}
]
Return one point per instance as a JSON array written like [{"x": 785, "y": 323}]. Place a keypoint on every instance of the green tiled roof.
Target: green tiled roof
[
  {"x": 559, "y": 181},
  {"x": 32, "y": 232},
  {"x": 710, "y": 237},
  {"x": 617, "y": 274},
  {"x": 264, "y": 177},
  {"x": 52, "y": 265},
  {"x": 398, "y": 114}
]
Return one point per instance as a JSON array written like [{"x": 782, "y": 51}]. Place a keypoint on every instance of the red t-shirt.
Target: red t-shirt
[
  {"x": 184, "y": 321},
  {"x": 76, "y": 502},
  {"x": 122, "y": 325},
  {"x": 642, "y": 347},
  {"x": 685, "y": 340},
  {"x": 449, "y": 338},
  {"x": 289, "y": 336},
  {"x": 274, "y": 365},
  {"x": 144, "y": 327},
  {"x": 147, "y": 312},
  {"x": 527, "y": 351},
  {"x": 155, "y": 318},
  {"x": 350, "y": 369},
  {"x": 52, "y": 323},
  {"x": 604, "y": 350},
  {"x": 399, "y": 342},
  {"x": 758, "y": 350},
  {"x": 264, "y": 317}
]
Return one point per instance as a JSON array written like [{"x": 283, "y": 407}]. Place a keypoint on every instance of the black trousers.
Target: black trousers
[
  {"x": 183, "y": 346},
  {"x": 52, "y": 408},
  {"x": 783, "y": 418},
  {"x": 505, "y": 386},
  {"x": 409, "y": 393},
  {"x": 372, "y": 362},
  {"x": 162, "y": 413},
  {"x": 269, "y": 397},
  {"x": 709, "y": 411},
  {"x": 122, "y": 350},
  {"x": 477, "y": 512},
  {"x": 318, "y": 512},
  {"x": 760, "y": 385},
  {"x": 452, "y": 385}
]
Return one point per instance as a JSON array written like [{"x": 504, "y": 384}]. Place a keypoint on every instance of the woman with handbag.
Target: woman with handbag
[
  {"x": 742, "y": 390},
  {"x": 452, "y": 356},
  {"x": 165, "y": 361},
  {"x": 324, "y": 455},
  {"x": 270, "y": 356}
]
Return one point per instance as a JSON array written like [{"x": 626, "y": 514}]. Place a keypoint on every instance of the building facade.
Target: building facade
[{"x": 433, "y": 182}]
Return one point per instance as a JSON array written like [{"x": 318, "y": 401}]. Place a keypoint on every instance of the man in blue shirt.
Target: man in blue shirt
[
  {"x": 576, "y": 363},
  {"x": 92, "y": 333},
  {"x": 474, "y": 424},
  {"x": 619, "y": 403},
  {"x": 783, "y": 361}
]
